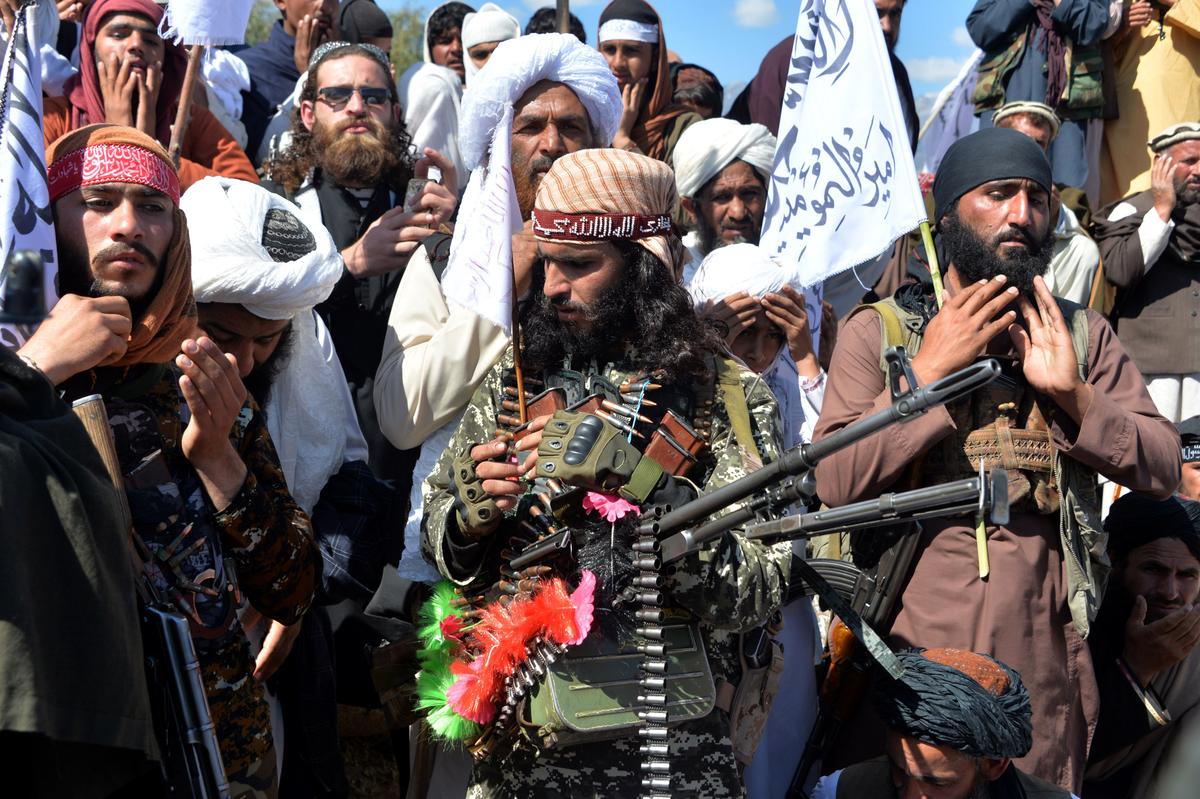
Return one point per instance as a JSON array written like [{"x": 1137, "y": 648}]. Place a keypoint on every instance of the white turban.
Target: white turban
[
  {"x": 489, "y": 213},
  {"x": 490, "y": 23},
  {"x": 747, "y": 267},
  {"x": 518, "y": 64},
  {"x": 710, "y": 145},
  {"x": 230, "y": 262},
  {"x": 306, "y": 409}
]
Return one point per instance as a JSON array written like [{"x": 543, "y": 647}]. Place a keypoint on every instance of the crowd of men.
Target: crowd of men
[{"x": 339, "y": 466}]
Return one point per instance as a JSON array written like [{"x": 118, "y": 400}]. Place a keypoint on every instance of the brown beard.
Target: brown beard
[
  {"x": 526, "y": 175},
  {"x": 360, "y": 160}
]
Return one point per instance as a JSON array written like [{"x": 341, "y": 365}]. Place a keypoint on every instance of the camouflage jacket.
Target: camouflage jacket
[
  {"x": 262, "y": 541},
  {"x": 733, "y": 585}
]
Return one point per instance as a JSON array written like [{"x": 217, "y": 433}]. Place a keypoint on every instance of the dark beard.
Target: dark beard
[
  {"x": 360, "y": 160},
  {"x": 258, "y": 383},
  {"x": 547, "y": 342},
  {"x": 710, "y": 238},
  {"x": 976, "y": 259},
  {"x": 76, "y": 275},
  {"x": 1184, "y": 195}
]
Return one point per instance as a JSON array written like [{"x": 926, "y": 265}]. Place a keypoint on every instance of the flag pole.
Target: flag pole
[
  {"x": 184, "y": 114},
  {"x": 564, "y": 16},
  {"x": 935, "y": 270},
  {"x": 516, "y": 345}
]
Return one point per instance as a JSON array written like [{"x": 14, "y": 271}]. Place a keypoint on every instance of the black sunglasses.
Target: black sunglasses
[{"x": 336, "y": 97}]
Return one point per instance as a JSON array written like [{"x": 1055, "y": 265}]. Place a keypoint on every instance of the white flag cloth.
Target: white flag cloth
[
  {"x": 952, "y": 117},
  {"x": 206, "y": 22},
  {"x": 26, "y": 218},
  {"x": 844, "y": 187},
  {"x": 480, "y": 272}
]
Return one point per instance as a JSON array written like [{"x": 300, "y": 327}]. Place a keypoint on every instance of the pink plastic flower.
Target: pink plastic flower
[
  {"x": 610, "y": 506},
  {"x": 583, "y": 598}
]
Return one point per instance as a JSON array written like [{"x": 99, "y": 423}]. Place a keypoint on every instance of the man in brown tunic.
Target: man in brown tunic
[
  {"x": 1053, "y": 420},
  {"x": 1150, "y": 244}
]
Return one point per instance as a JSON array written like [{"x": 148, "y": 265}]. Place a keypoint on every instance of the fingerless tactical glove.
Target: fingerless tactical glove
[
  {"x": 476, "y": 509},
  {"x": 583, "y": 450}
]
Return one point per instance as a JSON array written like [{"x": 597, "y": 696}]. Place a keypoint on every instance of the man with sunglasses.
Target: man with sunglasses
[{"x": 348, "y": 168}]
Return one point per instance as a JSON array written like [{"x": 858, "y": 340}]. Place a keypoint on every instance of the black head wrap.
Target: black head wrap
[
  {"x": 1189, "y": 439},
  {"x": 990, "y": 154},
  {"x": 1136, "y": 519},
  {"x": 362, "y": 19},
  {"x": 636, "y": 10},
  {"x": 943, "y": 705}
]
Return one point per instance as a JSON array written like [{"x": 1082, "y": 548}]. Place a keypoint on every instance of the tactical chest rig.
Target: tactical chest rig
[
  {"x": 639, "y": 666},
  {"x": 1007, "y": 425},
  {"x": 611, "y": 684}
]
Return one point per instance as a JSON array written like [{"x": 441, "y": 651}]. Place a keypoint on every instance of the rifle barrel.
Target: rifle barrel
[
  {"x": 807, "y": 456},
  {"x": 958, "y": 497}
]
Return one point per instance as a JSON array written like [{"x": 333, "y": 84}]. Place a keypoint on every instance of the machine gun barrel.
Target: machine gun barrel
[
  {"x": 947, "y": 499},
  {"x": 807, "y": 456}
]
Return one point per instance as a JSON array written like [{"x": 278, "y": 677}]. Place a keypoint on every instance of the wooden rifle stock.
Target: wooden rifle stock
[{"x": 192, "y": 755}]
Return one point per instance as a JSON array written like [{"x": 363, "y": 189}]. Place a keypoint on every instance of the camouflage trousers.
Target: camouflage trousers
[
  {"x": 702, "y": 766},
  {"x": 258, "y": 780}
]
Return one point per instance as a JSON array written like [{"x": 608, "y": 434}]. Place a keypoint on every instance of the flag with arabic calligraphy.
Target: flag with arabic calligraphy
[
  {"x": 844, "y": 186},
  {"x": 26, "y": 219}
]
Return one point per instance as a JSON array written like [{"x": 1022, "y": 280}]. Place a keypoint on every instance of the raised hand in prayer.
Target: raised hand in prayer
[
  {"x": 311, "y": 32},
  {"x": 1162, "y": 186},
  {"x": 731, "y": 315},
  {"x": 963, "y": 327},
  {"x": 213, "y": 390},
  {"x": 1155, "y": 647},
  {"x": 631, "y": 101},
  {"x": 79, "y": 334},
  {"x": 148, "y": 85},
  {"x": 786, "y": 310},
  {"x": 1047, "y": 354},
  {"x": 118, "y": 86}
]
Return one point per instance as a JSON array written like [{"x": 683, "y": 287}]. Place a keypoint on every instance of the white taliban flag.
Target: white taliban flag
[
  {"x": 480, "y": 273},
  {"x": 208, "y": 22},
  {"x": 844, "y": 187},
  {"x": 26, "y": 219}
]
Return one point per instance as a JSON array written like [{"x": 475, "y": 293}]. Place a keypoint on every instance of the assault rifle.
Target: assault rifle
[{"x": 191, "y": 757}]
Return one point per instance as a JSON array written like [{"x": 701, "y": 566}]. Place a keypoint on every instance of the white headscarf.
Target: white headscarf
[
  {"x": 306, "y": 409},
  {"x": 747, "y": 267},
  {"x": 490, "y": 23},
  {"x": 485, "y": 126},
  {"x": 710, "y": 145}
]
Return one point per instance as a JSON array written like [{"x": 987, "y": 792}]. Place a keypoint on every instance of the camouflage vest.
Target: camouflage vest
[
  {"x": 592, "y": 691},
  {"x": 173, "y": 522},
  {"x": 1082, "y": 98},
  {"x": 1006, "y": 425}
]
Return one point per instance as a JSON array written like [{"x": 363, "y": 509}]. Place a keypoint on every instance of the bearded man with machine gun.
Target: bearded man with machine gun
[{"x": 1068, "y": 405}]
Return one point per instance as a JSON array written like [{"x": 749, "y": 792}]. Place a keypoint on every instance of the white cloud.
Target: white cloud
[
  {"x": 935, "y": 69},
  {"x": 962, "y": 38},
  {"x": 755, "y": 13}
]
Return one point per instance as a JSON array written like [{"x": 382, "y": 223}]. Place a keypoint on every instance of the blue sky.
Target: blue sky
[{"x": 730, "y": 37}]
